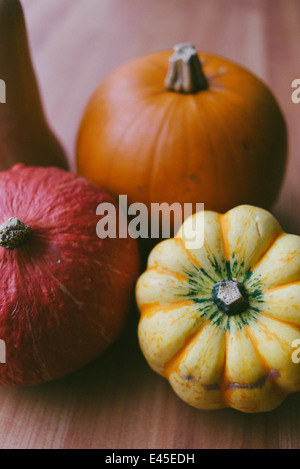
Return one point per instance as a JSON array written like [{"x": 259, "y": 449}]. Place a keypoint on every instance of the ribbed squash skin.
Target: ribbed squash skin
[{"x": 212, "y": 359}]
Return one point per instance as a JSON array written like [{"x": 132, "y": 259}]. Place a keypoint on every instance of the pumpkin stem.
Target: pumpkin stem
[
  {"x": 230, "y": 297},
  {"x": 13, "y": 233},
  {"x": 185, "y": 74}
]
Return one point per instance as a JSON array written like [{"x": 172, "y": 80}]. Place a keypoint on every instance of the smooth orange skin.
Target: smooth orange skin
[
  {"x": 25, "y": 136},
  {"x": 223, "y": 146}
]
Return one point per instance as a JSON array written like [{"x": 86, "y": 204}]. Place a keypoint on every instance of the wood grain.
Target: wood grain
[{"x": 117, "y": 401}]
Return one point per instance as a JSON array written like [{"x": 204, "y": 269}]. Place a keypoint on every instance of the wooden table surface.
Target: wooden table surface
[{"x": 117, "y": 401}]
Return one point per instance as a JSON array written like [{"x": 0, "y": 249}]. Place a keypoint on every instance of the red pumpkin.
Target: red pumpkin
[{"x": 64, "y": 292}]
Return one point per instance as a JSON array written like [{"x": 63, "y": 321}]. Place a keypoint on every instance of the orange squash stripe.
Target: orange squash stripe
[
  {"x": 151, "y": 309},
  {"x": 173, "y": 363}
]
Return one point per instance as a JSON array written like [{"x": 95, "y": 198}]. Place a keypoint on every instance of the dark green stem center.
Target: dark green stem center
[{"x": 230, "y": 297}]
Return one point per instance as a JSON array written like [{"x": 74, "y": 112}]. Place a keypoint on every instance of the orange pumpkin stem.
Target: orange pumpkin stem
[
  {"x": 13, "y": 233},
  {"x": 185, "y": 74}
]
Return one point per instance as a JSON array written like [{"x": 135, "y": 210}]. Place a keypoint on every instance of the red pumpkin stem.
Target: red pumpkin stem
[
  {"x": 13, "y": 233},
  {"x": 185, "y": 74}
]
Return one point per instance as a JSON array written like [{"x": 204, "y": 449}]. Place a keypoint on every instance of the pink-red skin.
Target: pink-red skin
[{"x": 64, "y": 293}]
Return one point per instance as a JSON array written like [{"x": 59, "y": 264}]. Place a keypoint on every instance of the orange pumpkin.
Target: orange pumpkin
[{"x": 203, "y": 131}]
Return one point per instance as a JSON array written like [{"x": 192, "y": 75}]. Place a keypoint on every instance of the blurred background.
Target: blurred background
[{"x": 116, "y": 403}]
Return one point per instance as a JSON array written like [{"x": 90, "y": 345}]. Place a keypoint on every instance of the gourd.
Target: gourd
[
  {"x": 221, "y": 320},
  {"x": 65, "y": 292},
  {"x": 25, "y": 136},
  {"x": 204, "y": 131}
]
